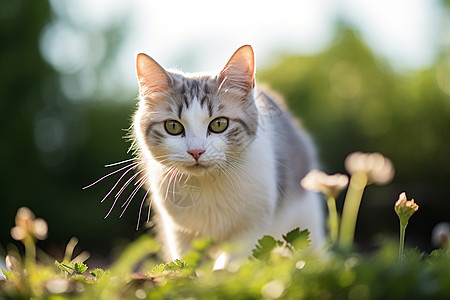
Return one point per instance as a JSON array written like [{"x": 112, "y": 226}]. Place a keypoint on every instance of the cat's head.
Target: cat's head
[{"x": 196, "y": 123}]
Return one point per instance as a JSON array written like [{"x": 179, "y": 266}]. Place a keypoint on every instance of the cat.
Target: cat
[{"x": 222, "y": 159}]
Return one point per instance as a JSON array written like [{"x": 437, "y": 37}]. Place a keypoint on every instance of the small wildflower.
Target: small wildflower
[
  {"x": 27, "y": 225},
  {"x": 319, "y": 181},
  {"x": 375, "y": 166},
  {"x": 405, "y": 208},
  {"x": 365, "y": 168},
  {"x": 13, "y": 264},
  {"x": 440, "y": 236},
  {"x": 58, "y": 285},
  {"x": 330, "y": 186}
]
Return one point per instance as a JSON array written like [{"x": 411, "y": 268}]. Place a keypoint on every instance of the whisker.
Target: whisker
[
  {"x": 120, "y": 179},
  {"x": 110, "y": 210},
  {"x": 224, "y": 171},
  {"x": 187, "y": 178},
  {"x": 235, "y": 171},
  {"x": 174, "y": 181},
  {"x": 120, "y": 192},
  {"x": 181, "y": 176},
  {"x": 126, "y": 184},
  {"x": 149, "y": 207},
  {"x": 140, "y": 210},
  {"x": 119, "y": 163},
  {"x": 169, "y": 172},
  {"x": 130, "y": 198},
  {"x": 112, "y": 173}
]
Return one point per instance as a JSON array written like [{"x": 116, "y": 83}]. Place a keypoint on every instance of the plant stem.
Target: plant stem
[
  {"x": 358, "y": 182},
  {"x": 30, "y": 252},
  {"x": 402, "y": 242},
  {"x": 333, "y": 221}
]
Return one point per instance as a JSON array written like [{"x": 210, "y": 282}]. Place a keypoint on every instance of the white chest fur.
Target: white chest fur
[{"x": 222, "y": 203}]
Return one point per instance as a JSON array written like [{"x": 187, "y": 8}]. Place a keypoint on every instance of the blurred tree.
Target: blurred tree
[
  {"x": 351, "y": 101},
  {"x": 23, "y": 75},
  {"x": 53, "y": 146}
]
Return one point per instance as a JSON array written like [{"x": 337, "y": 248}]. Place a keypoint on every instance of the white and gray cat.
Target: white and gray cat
[{"x": 221, "y": 159}]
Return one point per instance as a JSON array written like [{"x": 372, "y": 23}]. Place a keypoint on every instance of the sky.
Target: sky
[
  {"x": 402, "y": 30},
  {"x": 201, "y": 35}
]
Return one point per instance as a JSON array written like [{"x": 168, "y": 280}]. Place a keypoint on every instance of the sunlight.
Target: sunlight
[
  {"x": 397, "y": 28},
  {"x": 193, "y": 35},
  {"x": 221, "y": 261}
]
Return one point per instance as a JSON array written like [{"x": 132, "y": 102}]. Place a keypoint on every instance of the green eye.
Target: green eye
[
  {"x": 218, "y": 125},
  {"x": 174, "y": 127}
]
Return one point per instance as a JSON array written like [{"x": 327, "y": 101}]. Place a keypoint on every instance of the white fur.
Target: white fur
[{"x": 231, "y": 206}]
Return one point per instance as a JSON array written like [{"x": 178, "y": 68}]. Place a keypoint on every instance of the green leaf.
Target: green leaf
[
  {"x": 64, "y": 267},
  {"x": 7, "y": 274},
  {"x": 440, "y": 254},
  {"x": 159, "y": 269},
  {"x": 79, "y": 267},
  {"x": 99, "y": 273},
  {"x": 297, "y": 239},
  {"x": 72, "y": 268},
  {"x": 265, "y": 245},
  {"x": 173, "y": 266}
]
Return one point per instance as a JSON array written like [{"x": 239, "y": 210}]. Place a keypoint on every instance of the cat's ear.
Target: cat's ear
[
  {"x": 151, "y": 76},
  {"x": 239, "y": 72}
]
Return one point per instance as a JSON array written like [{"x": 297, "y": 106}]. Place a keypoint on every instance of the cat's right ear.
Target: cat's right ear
[
  {"x": 151, "y": 76},
  {"x": 239, "y": 72}
]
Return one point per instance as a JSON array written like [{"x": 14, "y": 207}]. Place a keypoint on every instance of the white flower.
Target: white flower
[
  {"x": 375, "y": 166},
  {"x": 440, "y": 235},
  {"x": 13, "y": 264},
  {"x": 319, "y": 181},
  {"x": 27, "y": 225}
]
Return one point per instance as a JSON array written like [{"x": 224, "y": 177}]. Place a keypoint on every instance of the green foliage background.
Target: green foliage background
[
  {"x": 346, "y": 97},
  {"x": 349, "y": 101}
]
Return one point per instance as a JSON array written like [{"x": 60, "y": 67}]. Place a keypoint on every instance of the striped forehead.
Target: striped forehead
[
  {"x": 195, "y": 117},
  {"x": 193, "y": 91}
]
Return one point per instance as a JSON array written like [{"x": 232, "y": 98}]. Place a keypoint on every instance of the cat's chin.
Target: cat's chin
[{"x": 197, "y": 169}]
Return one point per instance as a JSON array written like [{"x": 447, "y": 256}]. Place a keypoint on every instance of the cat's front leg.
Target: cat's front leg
[
  {"x": 175, "y": 241},
  {"x": 175, "y": 244}
]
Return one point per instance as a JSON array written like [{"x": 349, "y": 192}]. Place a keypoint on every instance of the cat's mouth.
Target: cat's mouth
[{"x": 198, "y": 168}]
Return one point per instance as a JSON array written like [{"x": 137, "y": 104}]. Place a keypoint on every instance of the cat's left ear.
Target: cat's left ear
[
  {"x": 239, "y": 72},
  {"x": 151, "y": 76}
]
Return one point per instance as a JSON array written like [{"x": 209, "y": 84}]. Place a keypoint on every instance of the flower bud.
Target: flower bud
[{"x": 405, "y": 208}]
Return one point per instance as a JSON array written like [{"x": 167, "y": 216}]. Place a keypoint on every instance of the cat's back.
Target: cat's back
[{"x": 295, "y": 153}]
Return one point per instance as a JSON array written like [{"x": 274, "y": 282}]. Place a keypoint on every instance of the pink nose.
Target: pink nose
[{"x": 196, "y": 153}]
